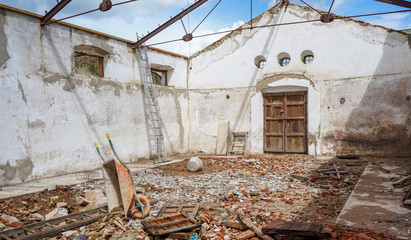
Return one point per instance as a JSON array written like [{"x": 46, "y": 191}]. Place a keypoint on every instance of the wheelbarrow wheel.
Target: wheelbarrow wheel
[{"x": 137, "y": 210}]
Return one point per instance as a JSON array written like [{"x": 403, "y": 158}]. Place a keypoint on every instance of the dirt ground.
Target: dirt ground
[{"x": 263, "y": 188}]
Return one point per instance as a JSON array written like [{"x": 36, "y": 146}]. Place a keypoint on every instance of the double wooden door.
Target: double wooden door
[{"x": 285, "y": 122}]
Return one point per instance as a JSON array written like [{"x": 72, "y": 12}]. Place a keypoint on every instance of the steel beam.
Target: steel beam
[
  {"x": 400, "y": 3},
  {"x": 168, "y": 23},
  {"x": 54, "y": 11}
]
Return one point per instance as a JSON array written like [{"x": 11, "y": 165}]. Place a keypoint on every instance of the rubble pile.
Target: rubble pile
[{"x": 237, "y": 197}]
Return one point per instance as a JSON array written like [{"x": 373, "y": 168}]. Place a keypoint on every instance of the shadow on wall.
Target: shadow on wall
[
  {"x": 381, "y": 122},
  {"x": 257, "y": 72},
  {"x": 71, "y": 86}
]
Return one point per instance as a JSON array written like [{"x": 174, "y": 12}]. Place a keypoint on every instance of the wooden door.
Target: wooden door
[{"x": 285, "y": 122}]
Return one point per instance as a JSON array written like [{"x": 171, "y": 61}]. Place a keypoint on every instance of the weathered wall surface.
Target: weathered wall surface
[
  {"x": 50, "y": 116},
  {"x": 358, "y": 84}
]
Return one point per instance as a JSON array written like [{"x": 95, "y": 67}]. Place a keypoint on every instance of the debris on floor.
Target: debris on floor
[{"x": 230, "y": 198}]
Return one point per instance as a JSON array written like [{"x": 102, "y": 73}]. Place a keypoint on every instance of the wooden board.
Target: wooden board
[
  {"x": 293, "y": 229},
  {"x": 190, "y": 210},
  {"x": 222, "y": 138},
  {"x": 285, "y": 122},
  {"x": 166, "y": 225}
]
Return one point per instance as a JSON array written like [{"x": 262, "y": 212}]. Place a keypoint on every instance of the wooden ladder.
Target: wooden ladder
[{"x": 238, "y": 143}]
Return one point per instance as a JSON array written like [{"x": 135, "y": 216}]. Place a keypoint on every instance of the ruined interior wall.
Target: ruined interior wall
[
  {"x": 368, "y": 66},
  {"x": 50, "y": 116}
]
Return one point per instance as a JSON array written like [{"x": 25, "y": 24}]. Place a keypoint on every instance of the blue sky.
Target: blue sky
[{"x": 145, "y": 15}]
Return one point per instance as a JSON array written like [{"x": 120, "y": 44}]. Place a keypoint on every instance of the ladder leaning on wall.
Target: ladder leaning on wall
[{"x": 151, "y": 105}]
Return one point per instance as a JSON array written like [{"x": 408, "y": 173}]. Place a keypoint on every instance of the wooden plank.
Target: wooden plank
[
  {"x": 235, "y": 225},
  {"x": 255, "y": 229},
  {"x": 293, "y": 229},
  {"x": 222, "y": 138}
]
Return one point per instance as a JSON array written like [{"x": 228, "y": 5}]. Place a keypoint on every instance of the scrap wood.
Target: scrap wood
[
  {"x": 402, "y": 182},
  {"x": 180, "y": 235},
  {"x": 301, "y": 178},
  {"x": 254, "y": 228},
  {"x": 190, "y": 210},
  {"x": 245, "y": 235},
  {"x": 336, "y": 170},
  {"x": 203, "y": 231},
  {"x": 235, "y": 225},
  {"x": 171, "y": 224},
  {"x": 295, "y": 229}
]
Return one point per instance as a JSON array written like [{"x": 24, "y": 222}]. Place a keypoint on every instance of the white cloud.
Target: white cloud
[{"x": 394, "y": 21}]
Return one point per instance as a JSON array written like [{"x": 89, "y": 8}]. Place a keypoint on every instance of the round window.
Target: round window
[
  {"x": 307, "y": 56},
  {"x": 284, "y": 59}
]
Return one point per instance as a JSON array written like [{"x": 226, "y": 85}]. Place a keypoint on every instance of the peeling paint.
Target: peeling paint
[
  {"x": 23, "y": 169},
  {"x": 4, "y": 55},
  {"x": 277, "y": 77},
  {"x": 97, "y": 84},
  {"x": 36, "y": 124},
  {"x": 23, "y": 96}
]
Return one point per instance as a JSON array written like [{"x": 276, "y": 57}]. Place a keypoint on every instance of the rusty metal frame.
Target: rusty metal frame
[
  {"x": 168, "y": 23},
  {"x": 400, "y": 3},
  {"x": 54, "y": 11}
]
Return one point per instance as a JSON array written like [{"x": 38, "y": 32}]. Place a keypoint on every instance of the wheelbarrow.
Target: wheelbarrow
[{"x": 120, "y": 187}]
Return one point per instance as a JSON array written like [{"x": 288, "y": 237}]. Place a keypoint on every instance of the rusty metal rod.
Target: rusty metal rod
[
  {"x": 397, "y": 2},
  {"x": 206, "y": 17},
  {"x": 329, "y": 10},
  {"x": 168, "y": 23},
  {"x": 54, "y": 11},
  {"x": 76, "y": 15}
]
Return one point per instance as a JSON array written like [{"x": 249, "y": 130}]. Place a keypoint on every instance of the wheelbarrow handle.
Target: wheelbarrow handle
[
  {"x": 99, "y": 153},
  {"x": 115, "y": 153}
]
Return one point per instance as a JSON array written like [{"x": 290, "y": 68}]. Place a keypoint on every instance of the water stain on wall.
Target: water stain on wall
[{"x": 22, "y": 170}]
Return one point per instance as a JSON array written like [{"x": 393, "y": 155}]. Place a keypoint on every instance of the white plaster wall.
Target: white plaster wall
[
  {"x": 50, "y": 116},
  {"x": 351, "y": 58},
  {"x": 210, "y": 107}
]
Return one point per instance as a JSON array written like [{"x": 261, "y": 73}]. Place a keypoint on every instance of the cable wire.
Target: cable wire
[
  {"x": 281, "y": 24},
  {"x": 76, "y": 15},
  {"x": 206, "y": 17}
]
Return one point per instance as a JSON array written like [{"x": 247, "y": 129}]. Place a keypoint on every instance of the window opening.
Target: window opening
[
  {"x": 260, "y": 61},
  {"x": 159, "y": 77},
  {"x": 308, "y": 59},
  {"x": 285, "y": 61},
  {"x": 88, "y": 64}
]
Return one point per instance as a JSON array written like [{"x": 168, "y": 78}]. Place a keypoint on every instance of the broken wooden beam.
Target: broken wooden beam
[
  {"x": 235, "y": 225},
  {"x": 254, "y": 228}
]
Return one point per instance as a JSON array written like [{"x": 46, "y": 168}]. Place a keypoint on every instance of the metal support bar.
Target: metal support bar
[
  {"x": 54, "y": 11},
  {"x": 168, "y": 23},
  {"x": 400, "y": 3}
]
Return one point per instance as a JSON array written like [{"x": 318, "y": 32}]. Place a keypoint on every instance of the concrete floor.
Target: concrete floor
[{"x": 376, "y": 204}]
